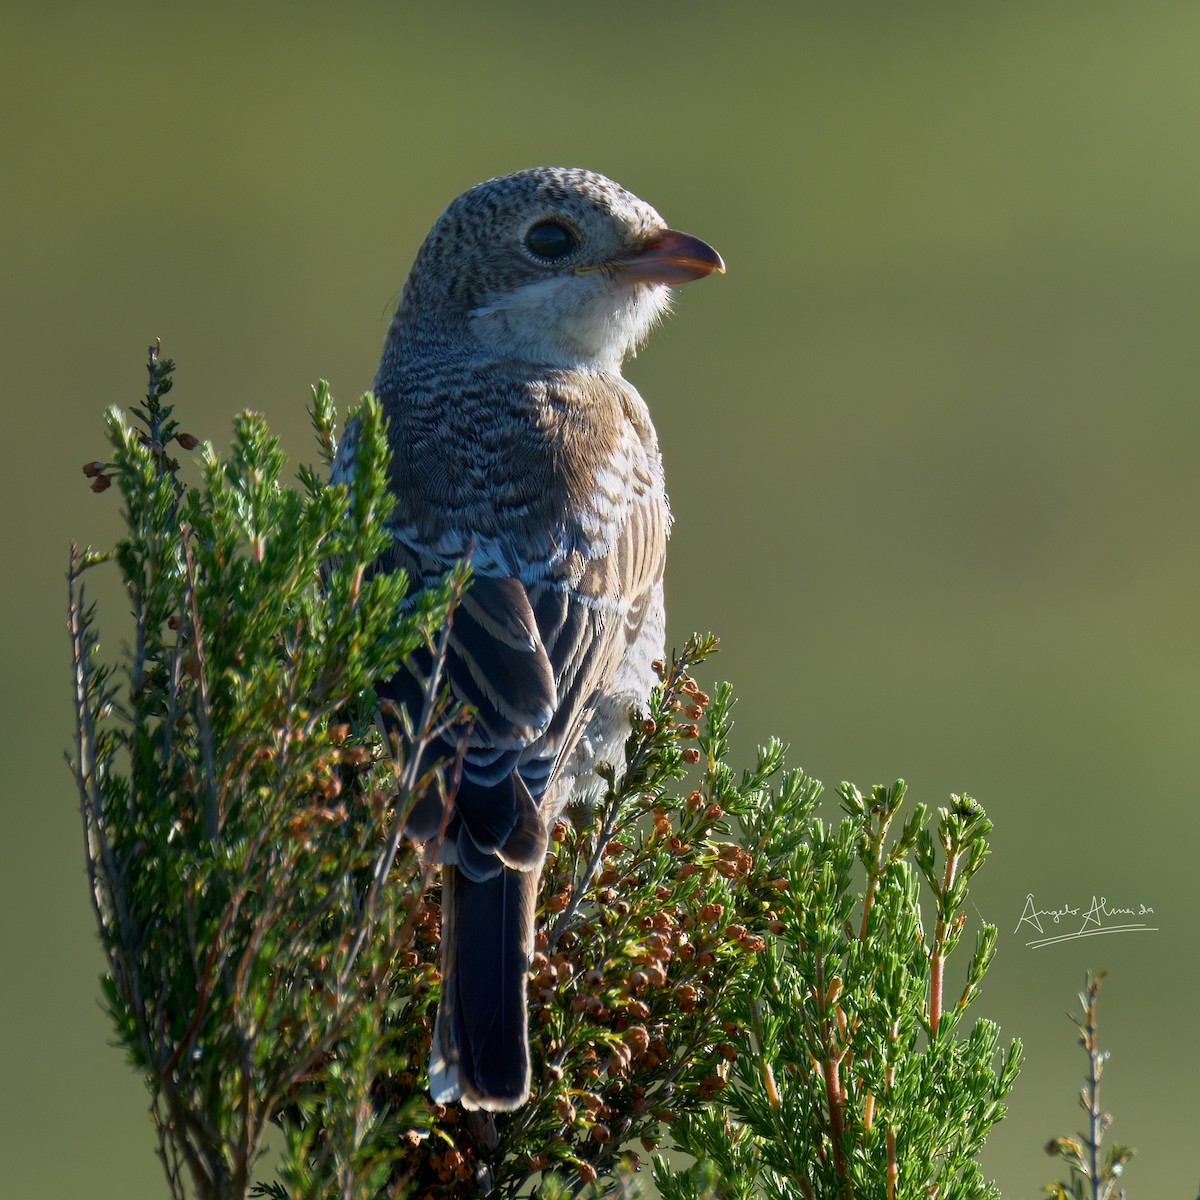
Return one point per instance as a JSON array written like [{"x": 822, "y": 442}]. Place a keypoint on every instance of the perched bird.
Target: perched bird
[{"x": 517, "y": 444}]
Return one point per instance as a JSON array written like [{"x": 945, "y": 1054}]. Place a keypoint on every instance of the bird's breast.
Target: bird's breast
[{"x": 526, "y": 476}]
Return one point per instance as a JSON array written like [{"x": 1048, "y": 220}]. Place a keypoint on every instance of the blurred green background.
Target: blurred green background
[{"x": 932, "y": 443}]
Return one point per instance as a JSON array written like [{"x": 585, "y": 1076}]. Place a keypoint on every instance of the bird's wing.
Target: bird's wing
[
  {"x": 589, "y": 628},
  {"x": 531, "y": 659},
  {"x": 552, "y": 488}
]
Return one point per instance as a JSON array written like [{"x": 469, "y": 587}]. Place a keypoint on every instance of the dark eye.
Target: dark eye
[{"x": 550, "y": 240}]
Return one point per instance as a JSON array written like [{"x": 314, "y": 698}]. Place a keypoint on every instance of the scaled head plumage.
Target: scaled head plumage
[{"x": 556, "y": 264}]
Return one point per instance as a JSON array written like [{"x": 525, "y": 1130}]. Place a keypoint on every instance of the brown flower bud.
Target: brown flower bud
[
  {"x": 637, "y": 1039},
  {"x": 619, "y": 1059}
]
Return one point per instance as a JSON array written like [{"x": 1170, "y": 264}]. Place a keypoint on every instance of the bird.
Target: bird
[{"x": 518, "y": 445}]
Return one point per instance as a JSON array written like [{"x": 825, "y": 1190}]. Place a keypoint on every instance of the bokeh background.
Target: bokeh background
[{"x": 932, "y": 442}]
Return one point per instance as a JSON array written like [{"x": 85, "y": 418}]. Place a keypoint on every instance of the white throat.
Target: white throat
[{"x": 576, "y": 321}]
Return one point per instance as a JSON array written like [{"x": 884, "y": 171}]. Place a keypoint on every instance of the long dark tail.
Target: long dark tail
[{"x": 481, "y": 1040}]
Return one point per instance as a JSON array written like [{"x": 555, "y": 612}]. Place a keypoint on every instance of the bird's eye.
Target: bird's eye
[{"x": 550, "y": 240}]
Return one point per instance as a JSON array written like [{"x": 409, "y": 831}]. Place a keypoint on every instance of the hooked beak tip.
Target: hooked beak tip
[{"x": 669, "y": 257}]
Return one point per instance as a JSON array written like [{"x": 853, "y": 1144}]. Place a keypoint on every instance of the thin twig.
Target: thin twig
[
  {"x": 937, "y": 952},
  {"x": 1095, "y": 1133},
  {"x": 834, "y": 1097},
  {"x": 875, "y": 873},
  {"x": 212, "y": 808},
  {"x": 409, "y": 779}
]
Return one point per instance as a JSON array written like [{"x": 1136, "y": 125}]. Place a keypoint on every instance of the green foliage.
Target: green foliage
[
  {"x": 250, "y": 882},
  {"x": 857, "y": 1081},
  {"x": 719, "y": 970},
  {"x": 1093, "y": 1173}
]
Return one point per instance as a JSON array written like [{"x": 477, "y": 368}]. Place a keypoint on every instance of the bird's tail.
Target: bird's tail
[{"x": 481, "y": 1040}]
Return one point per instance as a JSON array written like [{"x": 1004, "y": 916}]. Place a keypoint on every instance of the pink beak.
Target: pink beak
[{"x": 669, "y": 257}]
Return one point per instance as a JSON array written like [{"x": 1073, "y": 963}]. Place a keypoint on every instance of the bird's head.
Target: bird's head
[{"x": 552, "y": 264}]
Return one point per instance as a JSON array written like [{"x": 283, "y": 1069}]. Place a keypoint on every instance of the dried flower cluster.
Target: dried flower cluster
[{"x": 650, "y": 919}]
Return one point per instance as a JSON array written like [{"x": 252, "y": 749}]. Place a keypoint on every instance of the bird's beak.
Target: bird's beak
[{"x": 668, "y": 257}]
